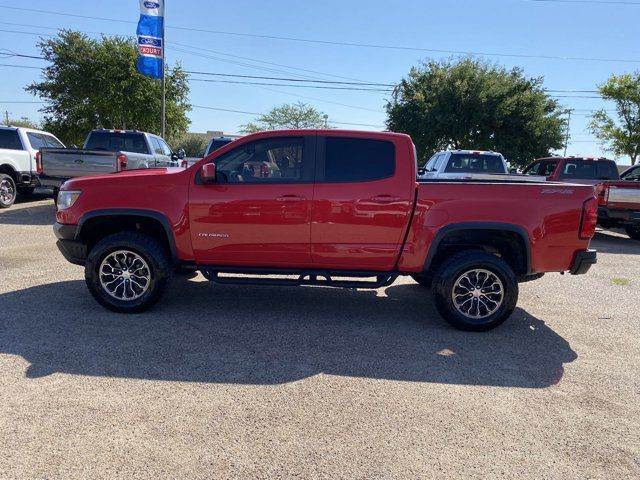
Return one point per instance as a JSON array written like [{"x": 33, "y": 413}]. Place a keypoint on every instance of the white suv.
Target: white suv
[{"x": 18, "y": 149}]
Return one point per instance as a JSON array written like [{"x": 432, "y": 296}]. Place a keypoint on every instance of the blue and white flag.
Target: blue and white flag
[{"x": 150, "y": 38}]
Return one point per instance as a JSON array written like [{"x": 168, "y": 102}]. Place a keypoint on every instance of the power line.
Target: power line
[
  {"x": 337, "y": 43},
  {"x": 320, "y": 87},
  {"x": 594, "y": 2},
  {"x": 333, "y": 82}
]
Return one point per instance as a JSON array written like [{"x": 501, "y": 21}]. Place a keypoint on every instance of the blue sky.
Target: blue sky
[{"x": 518, "y": 30}]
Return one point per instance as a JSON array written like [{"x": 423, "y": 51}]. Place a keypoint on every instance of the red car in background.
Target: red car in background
[{"x": 618, "y": 196}]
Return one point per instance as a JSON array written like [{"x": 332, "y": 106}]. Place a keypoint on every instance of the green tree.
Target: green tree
[
  {"x": 192, "y": 144},
  {"x": 24, "y": 122},
  {"x": 93, "y": 83},
  {"x": 476, "y": 105},
  {"x": 297, "y": 115},
  {"x": 620, "y": 136}
]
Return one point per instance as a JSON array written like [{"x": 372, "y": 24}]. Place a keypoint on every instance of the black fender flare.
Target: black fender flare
[
  {"x": 498, "y": 226},
  {"x": 130, "y": 212}
]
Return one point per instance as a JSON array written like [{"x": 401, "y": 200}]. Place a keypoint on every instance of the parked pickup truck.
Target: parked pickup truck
[
  {"x": 18, "y": 149},
  {"x": 618, "y": 196},
  {"x": 323, "y": 207},
  {"x": 467, "y": 164},
  {"x": 105, "y": 151}
]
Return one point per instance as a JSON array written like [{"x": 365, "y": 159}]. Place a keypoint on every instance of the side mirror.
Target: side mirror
[
  {"x": 208, "y": 173},
  {"x": 181, "y": 153}
]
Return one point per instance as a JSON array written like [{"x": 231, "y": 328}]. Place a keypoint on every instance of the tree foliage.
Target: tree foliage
[
  {"x": 297, "y": 115},
  {"x": 193, "y": 145},
  {"x": 620, "y": 136},
  {"x": 24, "y": 122},
  {"x": 476, "y": 105},
  {"x": 93, "y": 83}
]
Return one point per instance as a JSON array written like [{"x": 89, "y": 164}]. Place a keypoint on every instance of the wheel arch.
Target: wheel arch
[
  {"x": 97, "y": 224},
  {"x": 9, "y": 169},
  {"x": 509, "y": 239}
]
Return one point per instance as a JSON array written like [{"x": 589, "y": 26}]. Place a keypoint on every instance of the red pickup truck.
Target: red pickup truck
[
  {"x": 323, "y": 207},
  {"x": 618, "y": 195}
]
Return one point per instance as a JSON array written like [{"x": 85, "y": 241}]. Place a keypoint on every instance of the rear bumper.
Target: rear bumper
[
  {"x": 72, "y": 250},
  {"x": 583, "y": 261},
  {"x": 27, "y": 179},
  {"x": 618, "y": 217},
  {"x": 51, "y": 182}
]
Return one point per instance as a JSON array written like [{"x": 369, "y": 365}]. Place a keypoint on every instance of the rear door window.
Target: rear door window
[
  {"x": 474, "y": 163},
  {"x": 117, "y": 142},
  {"x": 358, "y": 159},
  {"x": 37, "y": 140},
  {"x": 589, "y": 170},
  {"x": 10, "y": 140},
  {"x": 52, "y": 142}
]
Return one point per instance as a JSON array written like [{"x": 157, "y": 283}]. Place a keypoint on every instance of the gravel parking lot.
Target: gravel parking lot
[{"x": 264, "y": 382}]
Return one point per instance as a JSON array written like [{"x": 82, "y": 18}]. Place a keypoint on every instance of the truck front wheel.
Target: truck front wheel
[
  {"x": 633, "y": 231},
  {"x": 127, "y": 272},
  {"x": 475, "y": 290}
]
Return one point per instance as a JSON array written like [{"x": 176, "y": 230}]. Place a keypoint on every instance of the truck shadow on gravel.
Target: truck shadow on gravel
[
  {"x": 24, "y": 213},
  {"x": 273, "y": 335}
]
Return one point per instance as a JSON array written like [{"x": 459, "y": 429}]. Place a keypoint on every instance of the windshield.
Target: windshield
[
  {"x": 475, "y": 163},
  {"x": 117, "y": 142}
]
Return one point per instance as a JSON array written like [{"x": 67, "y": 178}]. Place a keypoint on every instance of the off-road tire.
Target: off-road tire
[
  {"x": 633, "y": 231},
  {"x": 453, "y": 268},
  {"x": 150, "y": 250}
]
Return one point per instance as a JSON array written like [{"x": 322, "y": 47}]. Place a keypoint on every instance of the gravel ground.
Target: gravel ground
[{"x": 267, "y": 382}]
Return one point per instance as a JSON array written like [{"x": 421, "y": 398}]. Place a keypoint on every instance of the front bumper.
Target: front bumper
[
  {"x": 583, "y": 261},
  {"x": 71, "y": 248}
]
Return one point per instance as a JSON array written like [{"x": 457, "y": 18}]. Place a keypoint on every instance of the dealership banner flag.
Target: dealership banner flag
[{"x": 151, "y": 38}]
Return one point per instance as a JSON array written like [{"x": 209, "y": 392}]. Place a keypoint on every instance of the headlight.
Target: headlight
[{"x": 66, "y": 198}]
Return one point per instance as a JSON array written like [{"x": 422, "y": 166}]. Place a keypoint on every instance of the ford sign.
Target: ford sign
[
  {"x": 156, "y": 42},
  {"x": 151, "y": 5}
]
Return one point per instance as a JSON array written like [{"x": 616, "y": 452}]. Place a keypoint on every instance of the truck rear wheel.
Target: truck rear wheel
[
  {"x": 7, "y": 190},
  {"x": 633, "y": 231},
  {"x": 127, "y": 272},
  {"x": 475, "y": 291}
]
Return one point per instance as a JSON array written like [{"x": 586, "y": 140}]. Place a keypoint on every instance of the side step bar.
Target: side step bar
[{"x": 302, "y": 277}]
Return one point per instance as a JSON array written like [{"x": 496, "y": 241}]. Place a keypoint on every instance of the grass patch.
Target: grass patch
[{"x": 620, "y": 281}]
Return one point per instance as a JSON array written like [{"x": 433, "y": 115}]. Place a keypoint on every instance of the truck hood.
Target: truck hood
[{"x": 126, "y": 176}]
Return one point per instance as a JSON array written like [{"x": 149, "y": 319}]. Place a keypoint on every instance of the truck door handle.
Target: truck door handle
[
  {"x": 385, "y": 199},
  {"x": 290, "y": 198}
]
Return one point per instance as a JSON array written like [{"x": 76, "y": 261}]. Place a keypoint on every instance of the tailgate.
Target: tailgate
[
  {"x": 69, "y": 163},
  {"x": 624, "y": 195}
]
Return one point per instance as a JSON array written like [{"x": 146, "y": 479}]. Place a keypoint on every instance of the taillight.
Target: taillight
[
  {"x": 589, "y": 219},
  {"x": 183, "y": 164},
  {"x": 122, "y": 162},
  {"x": 39, "y": 163},
  {"x": 602, "y": 194}
]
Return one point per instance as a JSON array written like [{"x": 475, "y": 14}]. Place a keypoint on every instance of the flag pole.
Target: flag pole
[{"x": 163, "y": 121}]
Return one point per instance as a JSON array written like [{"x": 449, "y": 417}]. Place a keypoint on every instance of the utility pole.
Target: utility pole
[
  {"x": 6, "y": 117},
  {"x": 566, "y": 138}
]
